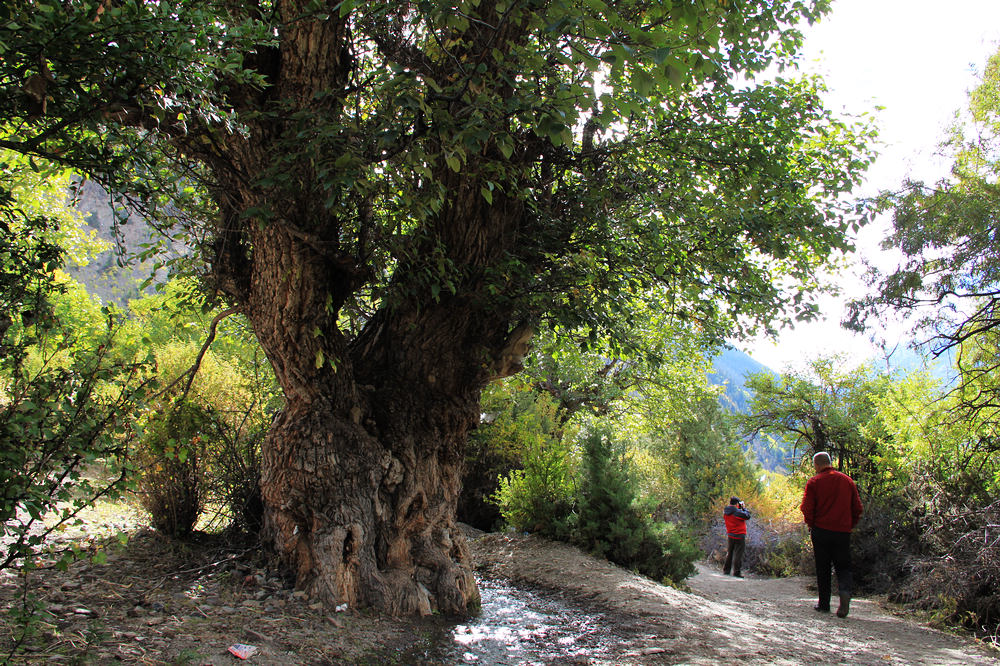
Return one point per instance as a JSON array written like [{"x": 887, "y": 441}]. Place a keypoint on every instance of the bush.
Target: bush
[
  {"x": 540, "y": 496},
  {"x": 200, "y": 451},
  {"x": 611, "y": 525},
  {"x": 171, "y": 485},
  {"x": 680, "y": 551},
  {"x": 521, "y": 429},
  {"x": 883, "y": 543},
  {"x": 534, "y": 502},
  {"x": 955, "y": 574},
  {"x": 234, "y": 466},
  {"x": 65, "y": 412}
]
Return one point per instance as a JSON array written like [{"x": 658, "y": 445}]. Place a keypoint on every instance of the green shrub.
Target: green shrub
[
  {"x": 201, "y": 450},
  {"x": 171, "y": 455},
  {"x": 680, "y": 551},
  {"x": 521, "y": 430},
  {"x": 64, "y": 413},
  {"x": 539, "y": 498},
  {"x": 610, "y": 523}
]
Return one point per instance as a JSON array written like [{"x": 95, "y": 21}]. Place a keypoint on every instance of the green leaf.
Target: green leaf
[
  {"x": 660, "y": 55},
  {"x": 643, "y": 82},
  {"x": 506, "y": 146}
]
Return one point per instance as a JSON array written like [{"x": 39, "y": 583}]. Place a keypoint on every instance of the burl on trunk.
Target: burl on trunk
[{"x": 368, "y": 521}]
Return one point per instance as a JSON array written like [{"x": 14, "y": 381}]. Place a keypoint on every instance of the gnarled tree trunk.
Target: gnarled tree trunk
[
  {"x": 366, "y": 520},
  {"x": 362, "y": 469}
]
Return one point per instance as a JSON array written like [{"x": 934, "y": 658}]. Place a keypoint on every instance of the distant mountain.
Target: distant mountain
[
  {"x": 730, "y": 370},
  {"x": 105, "y": 277},
  {"x": 907, "y": 360}
]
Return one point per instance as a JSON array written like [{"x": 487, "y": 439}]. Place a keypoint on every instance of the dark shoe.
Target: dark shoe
[
  {"x": 725, "y": 573},
  {"x": 821, "y": 609},
  {"x": 845, "y": 605},
  {"x": 737, "y": 575}
]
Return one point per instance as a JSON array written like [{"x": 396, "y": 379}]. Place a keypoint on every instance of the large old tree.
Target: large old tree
[{"x": 396, "y": 195}]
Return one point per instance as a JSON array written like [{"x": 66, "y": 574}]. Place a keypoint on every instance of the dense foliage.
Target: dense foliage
[
  {"x": 201, "y": 436},
  {"x": 678, "y": 174},
  {"x": 611, "y": 524},
  {"x": 68, "y": 395}
]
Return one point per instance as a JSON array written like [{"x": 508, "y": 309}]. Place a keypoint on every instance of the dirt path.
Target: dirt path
[
  {"x": 725, "y": 619},
  {"x": 161, "y": 602}
]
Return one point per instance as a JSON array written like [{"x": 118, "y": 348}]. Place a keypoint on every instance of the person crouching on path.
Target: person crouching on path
[
  {"x": 736, "y": 517},
  {"x": 831, "y": 508}
]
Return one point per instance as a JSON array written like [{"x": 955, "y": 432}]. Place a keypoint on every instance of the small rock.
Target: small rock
[
  {"x": 255, "y": 636},
  {"x": 316, "y": 606}
]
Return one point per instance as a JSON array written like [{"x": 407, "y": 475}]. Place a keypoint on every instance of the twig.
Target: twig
[{"x": 193, "y": 370}]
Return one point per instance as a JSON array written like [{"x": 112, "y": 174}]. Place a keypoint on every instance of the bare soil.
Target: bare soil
[
  {"x": 727, "y": 620},
  {"x": 162, "y": 602}
]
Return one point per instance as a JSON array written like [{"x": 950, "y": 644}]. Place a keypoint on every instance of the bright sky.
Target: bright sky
[{"x": 917, "y": 59}]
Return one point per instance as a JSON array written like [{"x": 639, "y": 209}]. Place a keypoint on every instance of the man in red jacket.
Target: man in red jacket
[
  {"x": 831, "y": 508},
  {"x": 736, "y": 517}
]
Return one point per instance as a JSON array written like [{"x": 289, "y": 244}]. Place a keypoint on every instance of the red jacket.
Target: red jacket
[
  {"x": 831, "y": 501},
  {"x": 736, "y": 521}
]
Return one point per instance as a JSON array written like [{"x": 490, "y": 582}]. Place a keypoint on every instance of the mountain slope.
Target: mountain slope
[{"x": 731, "y": 369}]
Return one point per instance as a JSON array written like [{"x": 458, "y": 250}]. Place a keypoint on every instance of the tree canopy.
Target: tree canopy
[{"x": 637, "y": 168}]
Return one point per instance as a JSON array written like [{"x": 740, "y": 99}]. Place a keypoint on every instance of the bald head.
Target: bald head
[{"x": 822, "y": 460}]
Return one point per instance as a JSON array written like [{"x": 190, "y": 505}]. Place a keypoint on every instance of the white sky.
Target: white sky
[{"x": 917, "y": 59}]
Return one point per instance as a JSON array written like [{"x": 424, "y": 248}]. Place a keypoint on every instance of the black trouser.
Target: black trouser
[
  {"x": 832, "y": 548},
  {"x": 734, "y": 556}
]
